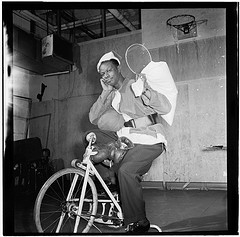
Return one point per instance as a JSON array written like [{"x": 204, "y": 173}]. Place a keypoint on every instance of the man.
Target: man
[{"x": 119, "y": 112}]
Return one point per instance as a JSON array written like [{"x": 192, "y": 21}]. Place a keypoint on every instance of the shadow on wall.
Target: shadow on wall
[
  {"x": 93, "y": 78},
  {"x": 57, "y": 164}
]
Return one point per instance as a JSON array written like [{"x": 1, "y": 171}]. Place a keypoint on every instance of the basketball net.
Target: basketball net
[
  {"x": 173, "y": 31},
  {"x": 180, "y": 23}
]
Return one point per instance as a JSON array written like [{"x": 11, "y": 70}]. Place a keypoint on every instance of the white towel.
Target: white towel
[{"x": 160, "y": 79}]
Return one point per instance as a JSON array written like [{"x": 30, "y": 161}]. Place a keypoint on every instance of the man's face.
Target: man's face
[{"x": 109, "y": 73}]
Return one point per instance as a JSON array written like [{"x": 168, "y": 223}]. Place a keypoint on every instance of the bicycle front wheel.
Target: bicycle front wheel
[{"x": 56, "y": 206}]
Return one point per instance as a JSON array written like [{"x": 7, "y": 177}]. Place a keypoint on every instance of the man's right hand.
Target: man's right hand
[{"x": 105, "y": 86}]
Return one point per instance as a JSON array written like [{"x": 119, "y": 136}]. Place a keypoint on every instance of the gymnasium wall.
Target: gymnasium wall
[{"x": 198, "y": 67}]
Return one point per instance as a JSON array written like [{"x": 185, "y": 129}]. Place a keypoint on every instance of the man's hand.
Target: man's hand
[
  {"x": 142, "y": 77},
  {"x": 105, "y": 86},
  {"x": 139, "y": 85}
]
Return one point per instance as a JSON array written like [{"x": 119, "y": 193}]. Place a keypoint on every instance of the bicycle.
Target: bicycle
[{"x": 68, "y": 201}]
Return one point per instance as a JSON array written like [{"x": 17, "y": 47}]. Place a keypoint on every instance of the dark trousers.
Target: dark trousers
[{"x": 136, "y": 163}]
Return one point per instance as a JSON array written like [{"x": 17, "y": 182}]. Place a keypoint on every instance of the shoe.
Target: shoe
[{"x": 141, "y": 226}]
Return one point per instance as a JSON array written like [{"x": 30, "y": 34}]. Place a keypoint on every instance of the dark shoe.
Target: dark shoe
[{"x": 138, "y": 227}]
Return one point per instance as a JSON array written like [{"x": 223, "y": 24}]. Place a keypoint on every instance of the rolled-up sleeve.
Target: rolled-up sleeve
[{"x": 102, "y": 104}]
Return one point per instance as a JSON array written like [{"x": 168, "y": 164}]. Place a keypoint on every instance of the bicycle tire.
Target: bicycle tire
[{"x": 51, "y": 203}]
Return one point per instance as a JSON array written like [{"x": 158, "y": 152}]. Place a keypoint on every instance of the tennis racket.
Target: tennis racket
[{"x": 137, "y": 57}]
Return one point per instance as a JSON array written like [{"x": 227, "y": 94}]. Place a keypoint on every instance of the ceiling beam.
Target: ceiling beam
[
  {"x": 122, "y": 19},
  {"x": 111, "y": 28},
  {"x": 88, "y": 32},
  {"x": 81, "y": 24},
  {"x": 44, "y": 24},
  {"x": 86, "y": 21},
  {"x": 37, "y": 19}
]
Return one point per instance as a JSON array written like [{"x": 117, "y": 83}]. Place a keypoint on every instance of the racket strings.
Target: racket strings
[{"x": 137, "y": 58}]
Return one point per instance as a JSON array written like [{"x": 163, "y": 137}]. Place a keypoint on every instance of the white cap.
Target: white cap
[{"x": 107, "y": 57}]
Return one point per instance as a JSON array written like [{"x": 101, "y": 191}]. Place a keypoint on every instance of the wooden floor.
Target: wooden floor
[{"x": 174, "y": 211}]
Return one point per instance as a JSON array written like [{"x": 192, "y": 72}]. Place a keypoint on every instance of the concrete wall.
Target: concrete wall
[
  {"x": 21, "y": 100},
  {"x": 198, "y": 67}
]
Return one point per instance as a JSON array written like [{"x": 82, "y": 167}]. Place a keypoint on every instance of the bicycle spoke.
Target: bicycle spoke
[
  {"x": 50, "y": 212},
  {"x": 48, "y": 205},
  {"x": 78, "y": 187},
  {"x": 54, "y": 213},
  {"x": 64, "y": 222},
  {"x": 52, "y": 223},
  {"x": 59, "y": 199},
  {"x": 61, "y": 188}
]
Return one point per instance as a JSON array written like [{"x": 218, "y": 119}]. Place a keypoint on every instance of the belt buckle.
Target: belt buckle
[
  {"x": 152, "y": 118},
  {"x": 130, "y": 123},
  {"x": 133, "y": 123}
]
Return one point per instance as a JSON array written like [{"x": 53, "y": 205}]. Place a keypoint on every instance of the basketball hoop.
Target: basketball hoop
[
  {"x": 183, "y": 26},
  {"x": 185, "y": 23}
]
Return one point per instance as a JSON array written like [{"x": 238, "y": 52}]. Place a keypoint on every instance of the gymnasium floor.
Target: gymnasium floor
[{"x": 174, "y": 211}]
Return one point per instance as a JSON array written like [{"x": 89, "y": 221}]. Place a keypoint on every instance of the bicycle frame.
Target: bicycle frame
[
  {"x": 90, "y": 169},
  {"x": 70, "y": 204}
]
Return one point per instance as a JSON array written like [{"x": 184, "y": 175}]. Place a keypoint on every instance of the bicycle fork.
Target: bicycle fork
[{"x": 67, "y": 199}]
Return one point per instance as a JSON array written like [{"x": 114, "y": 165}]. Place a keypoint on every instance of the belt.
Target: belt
[{"x": 141, "y": 122}]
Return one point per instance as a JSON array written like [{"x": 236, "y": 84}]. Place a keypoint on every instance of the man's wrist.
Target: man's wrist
[
  {"x": 105, "y": 94},
  {"x": 147, "y": 93}
]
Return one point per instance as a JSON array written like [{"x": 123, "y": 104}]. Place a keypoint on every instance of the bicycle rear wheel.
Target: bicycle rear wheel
[{"x": 56, "y": 206}]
